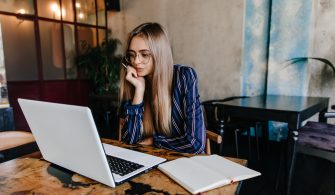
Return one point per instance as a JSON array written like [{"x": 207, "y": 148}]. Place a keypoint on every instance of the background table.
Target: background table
[
  {"x": 290, "y": 109},
  {"x": 37, "y": 176}
]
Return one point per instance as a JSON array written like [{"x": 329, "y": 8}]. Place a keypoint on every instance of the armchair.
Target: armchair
[
  {"x": 315, "y": 139},
  {"x": 211, "y": 136}
]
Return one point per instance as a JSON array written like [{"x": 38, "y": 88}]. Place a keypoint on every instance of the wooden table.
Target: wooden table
[{"x": 37, "y": 176}]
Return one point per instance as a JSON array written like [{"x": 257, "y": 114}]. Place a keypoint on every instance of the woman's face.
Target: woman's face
[{"x": 140, "y": 56}]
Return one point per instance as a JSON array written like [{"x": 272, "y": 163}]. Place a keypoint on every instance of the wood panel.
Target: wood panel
[
  {"x": 78, "y": 91},
  {"x": 27, "y": 89},
  {"x": 62, "y": 91},
  {"x": 54, "y": 91}
]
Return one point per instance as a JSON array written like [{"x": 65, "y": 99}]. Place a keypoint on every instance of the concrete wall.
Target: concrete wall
[
  {"x": 303, "y": 29},
  {"x": 290, "y": 36},
  {"x": 321, "y": 78},
  {"x": 206, "y": 35},
  {"x": 255, "y": 47}
]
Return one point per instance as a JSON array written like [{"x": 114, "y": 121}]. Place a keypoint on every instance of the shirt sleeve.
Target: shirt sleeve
[
  {"x": 194, "y": 138},
  {"x": 133, "y": 115}
]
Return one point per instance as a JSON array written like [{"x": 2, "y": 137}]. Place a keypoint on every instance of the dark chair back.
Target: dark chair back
[
  {"x": 210, "y": 114},
  {"x": 214, "y": 113},
  {"x": 6, "y": 119}
]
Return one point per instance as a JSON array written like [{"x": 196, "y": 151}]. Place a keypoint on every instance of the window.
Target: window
[
  {"x": 64, "y": 28},
  {"x": 18, "y": 6},
  {"x": 18, "y": 39},
  {"x": 86, "y": 12}
]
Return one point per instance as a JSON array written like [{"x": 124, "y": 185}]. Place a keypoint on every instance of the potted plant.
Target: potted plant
[{"x": 101, "y": 65}]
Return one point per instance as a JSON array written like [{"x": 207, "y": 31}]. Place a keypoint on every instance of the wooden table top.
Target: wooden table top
[
  {"x": 11, "y": 139},
  {"x": 37, "y": 176},
  {"x": 4, "y": 103}
]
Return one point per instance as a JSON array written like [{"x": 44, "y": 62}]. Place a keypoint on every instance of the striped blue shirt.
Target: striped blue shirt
[{"x": 188, "y": 129}]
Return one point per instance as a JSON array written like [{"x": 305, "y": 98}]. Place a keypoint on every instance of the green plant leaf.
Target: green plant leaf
[
  {"x": 101, "y": 65},
  {"x": 303, "y": 59}
]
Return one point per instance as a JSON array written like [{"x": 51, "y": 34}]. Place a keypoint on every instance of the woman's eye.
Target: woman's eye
[
  {"x": 131, "y": 55},
  {"x": 145, "y": 55}
]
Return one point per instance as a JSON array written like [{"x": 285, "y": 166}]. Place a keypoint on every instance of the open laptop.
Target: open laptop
[{"x": 67, "y": 136}]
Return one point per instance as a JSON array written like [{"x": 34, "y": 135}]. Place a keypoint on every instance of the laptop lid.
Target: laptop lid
[{"x": 67, "y": 136}]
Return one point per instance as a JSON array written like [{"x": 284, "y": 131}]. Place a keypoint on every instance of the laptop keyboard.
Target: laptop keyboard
[{"x": 121, "y": 166}]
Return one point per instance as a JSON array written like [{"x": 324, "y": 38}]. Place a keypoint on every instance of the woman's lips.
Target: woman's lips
[{"x": 139, "y": 69}]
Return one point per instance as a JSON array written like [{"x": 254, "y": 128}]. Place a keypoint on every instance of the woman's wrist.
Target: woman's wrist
[{"x": 138, "y": 96}]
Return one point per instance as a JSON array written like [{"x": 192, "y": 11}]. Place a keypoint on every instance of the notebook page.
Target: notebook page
[
  {"x": 193, "y": 176},
  {"x": 232, "y": 170}
]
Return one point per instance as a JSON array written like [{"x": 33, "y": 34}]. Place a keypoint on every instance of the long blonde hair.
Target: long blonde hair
[{"x": 157, "y": 100}]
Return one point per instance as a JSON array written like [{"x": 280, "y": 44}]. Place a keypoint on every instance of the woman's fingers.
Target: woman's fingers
[
  {"x": 131, "y": 71},
  {"x": 134, "y": 79},
  {"x": 131, "y": 74},
  {"x": 134, "y": 74}
]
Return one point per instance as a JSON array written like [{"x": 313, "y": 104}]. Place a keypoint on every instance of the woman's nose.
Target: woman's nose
[{"x": 137, "y": 59}]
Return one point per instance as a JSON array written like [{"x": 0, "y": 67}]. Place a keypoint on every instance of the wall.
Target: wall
[
  {"x": 303, "y": 29},
  {"x": 289, "y": 37},
  {"x": 255, "y": 47},
  {"x": 321, "y": 79},
  {"x": 206, "y": 35}
]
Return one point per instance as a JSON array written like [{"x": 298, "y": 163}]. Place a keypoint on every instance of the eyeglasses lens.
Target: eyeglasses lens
[{"x": 144, "y": 57}]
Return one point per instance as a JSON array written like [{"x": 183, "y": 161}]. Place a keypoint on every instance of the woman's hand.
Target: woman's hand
[
  {"x": 138, "y": 82},
  {"x": 147, "y": 142}
]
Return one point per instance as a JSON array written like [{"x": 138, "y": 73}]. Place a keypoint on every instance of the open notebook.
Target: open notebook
[{"x": 203, "y": 173}]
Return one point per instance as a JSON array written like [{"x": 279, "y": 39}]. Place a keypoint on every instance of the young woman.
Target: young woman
[{"x": 159, "y": 101}]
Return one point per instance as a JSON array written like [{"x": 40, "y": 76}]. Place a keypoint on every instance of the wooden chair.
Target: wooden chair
[
  {"x": 13, "y": 143},
  {"x": 210, "y": 136},
  {"x": 315, "y": 139}
]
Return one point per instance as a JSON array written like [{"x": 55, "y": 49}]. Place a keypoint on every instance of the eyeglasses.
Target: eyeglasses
[{"x": 130, "y": 57}]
